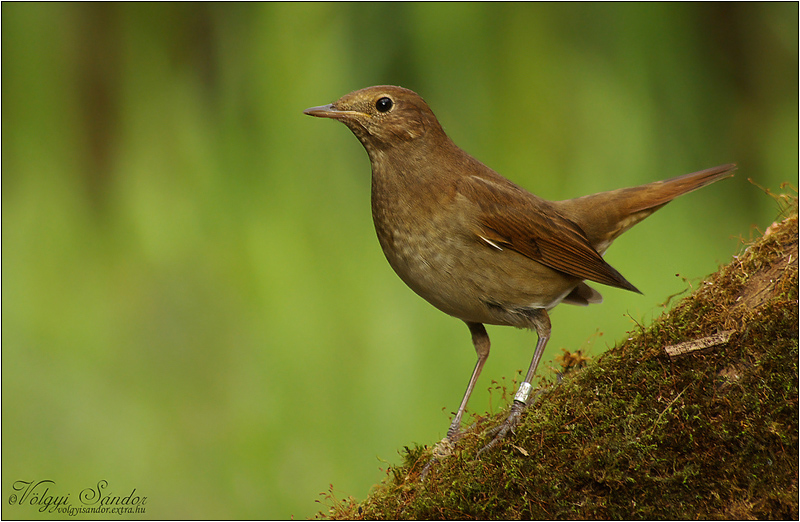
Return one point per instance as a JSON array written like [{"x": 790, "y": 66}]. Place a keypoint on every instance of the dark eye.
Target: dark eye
[{"x": 384, "y": 104}]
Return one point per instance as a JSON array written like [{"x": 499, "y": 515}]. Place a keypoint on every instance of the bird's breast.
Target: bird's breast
[
  {"x": 421, "y": 239},
  {"x": 432, "y": 247}
]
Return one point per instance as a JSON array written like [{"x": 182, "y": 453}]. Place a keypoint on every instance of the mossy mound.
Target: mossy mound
[{"x": 637, "y": 435}]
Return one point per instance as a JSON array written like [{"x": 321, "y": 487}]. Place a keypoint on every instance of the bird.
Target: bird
[{"x": 479, "y": 247}]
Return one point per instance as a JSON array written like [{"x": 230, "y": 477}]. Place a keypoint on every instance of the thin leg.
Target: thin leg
[
  {"x": 541, "y": 323},
  {"x": 542, "y": 326},
  {"x": 480, "y": 339}
]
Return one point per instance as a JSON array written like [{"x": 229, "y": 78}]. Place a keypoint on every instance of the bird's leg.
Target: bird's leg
[
  {"x": 541, "y": 323},
  {"x": 480, "y": 339}
]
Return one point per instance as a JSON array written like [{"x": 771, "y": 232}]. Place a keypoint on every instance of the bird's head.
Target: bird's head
[{"x": 382, "y": 116}]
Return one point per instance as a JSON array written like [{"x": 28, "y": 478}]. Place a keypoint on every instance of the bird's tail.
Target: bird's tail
[{"x": 606, "y": 215}]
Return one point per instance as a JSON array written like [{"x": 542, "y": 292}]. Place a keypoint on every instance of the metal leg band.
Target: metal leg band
[{"x": 524, "y": 392}]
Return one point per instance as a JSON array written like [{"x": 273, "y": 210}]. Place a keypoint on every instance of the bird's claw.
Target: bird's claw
[
  {"x": 446, "y": 447},
  {"x": 507, "y": 426},
  {"x": 443, "y": 448}
]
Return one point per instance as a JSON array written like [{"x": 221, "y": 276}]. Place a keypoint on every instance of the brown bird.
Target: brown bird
[{"x": 475, "y": 245}]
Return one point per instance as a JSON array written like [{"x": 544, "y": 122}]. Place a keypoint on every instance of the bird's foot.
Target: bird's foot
[
  {"x": 443, "y": 448},
  {"x": 507, "y": 426}
]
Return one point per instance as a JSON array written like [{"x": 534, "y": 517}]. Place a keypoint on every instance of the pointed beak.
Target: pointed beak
[
  {"x": 323, "y": 111},
  {"x": 329, "y": 111}
]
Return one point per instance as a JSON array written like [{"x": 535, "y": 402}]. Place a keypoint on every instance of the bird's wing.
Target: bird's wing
[{"x": 508, "y": 217}]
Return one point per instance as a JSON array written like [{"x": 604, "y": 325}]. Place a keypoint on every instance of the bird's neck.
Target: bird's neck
[{"x": 411, "y": 182}]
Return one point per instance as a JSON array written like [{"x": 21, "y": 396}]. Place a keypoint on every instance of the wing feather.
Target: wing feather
[{"x": 511, "y": 218}]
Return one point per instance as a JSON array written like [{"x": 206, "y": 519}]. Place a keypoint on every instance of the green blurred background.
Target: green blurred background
[{"x": 194, "y": 301}]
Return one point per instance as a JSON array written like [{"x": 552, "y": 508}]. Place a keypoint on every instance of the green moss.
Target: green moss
[{"x": 635, "y": 434}]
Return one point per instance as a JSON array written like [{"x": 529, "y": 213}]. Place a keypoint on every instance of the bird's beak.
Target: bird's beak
[
  {"x": 323, "y": 111},
  {"x": 329, "y": 111}
]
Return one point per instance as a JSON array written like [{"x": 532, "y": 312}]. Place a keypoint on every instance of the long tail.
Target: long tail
[{"x": 606, "y": 215}]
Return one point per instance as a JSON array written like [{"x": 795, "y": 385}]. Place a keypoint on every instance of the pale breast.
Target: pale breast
[{"x": 445, "y": 263}]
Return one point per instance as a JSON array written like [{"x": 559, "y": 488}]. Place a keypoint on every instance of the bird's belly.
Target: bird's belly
[{"x": 468, "y": 279}]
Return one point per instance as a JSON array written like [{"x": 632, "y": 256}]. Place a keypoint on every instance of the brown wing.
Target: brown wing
[{"x": 509, "y": 217}]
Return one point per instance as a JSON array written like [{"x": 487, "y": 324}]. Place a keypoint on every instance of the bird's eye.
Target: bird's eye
[{"x": 384, "y": 104}]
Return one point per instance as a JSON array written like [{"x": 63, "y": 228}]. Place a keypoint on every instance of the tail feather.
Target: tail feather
[
  {"x": 606, "y": 215},
  {"x": 658, "y": 193}
]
